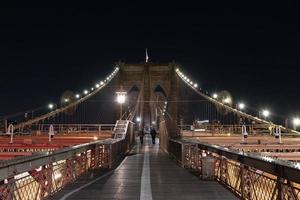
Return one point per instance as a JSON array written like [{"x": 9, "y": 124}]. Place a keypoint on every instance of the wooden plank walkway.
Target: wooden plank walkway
[{"x": 147, "y": 174}]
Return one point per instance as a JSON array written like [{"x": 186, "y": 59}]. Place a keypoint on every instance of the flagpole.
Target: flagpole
[{"x": 147, "y": 57}]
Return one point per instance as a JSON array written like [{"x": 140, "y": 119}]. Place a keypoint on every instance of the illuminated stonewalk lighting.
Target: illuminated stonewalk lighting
[
  {"x": 66, "y": 100},
  {"x": 97, "y": 85},
  {"x": 266, "y": 113},
  {"x": 177, "y": 70},
  {"x": 50, "y": 106},
  {"x": 101, "y": 83},
  {"x": 215, "y": 95},
  {"x": 77, "y": 96},
  {"x": 92, "y": 89},
  {"x": 195, "y": 85},
  {"x": 57, "y": 176},
  {"x": 296, "y": 121},
  {"x": 241, "y": 106},
  {"x": 153, "y": 122},
  {"x": 85, "y": 92},
  {"x": 138, "y": 119},
  {"x": 166, "y": 102}
]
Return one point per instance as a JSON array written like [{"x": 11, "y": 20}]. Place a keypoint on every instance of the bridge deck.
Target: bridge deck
[{"x": 148, "y": 174}]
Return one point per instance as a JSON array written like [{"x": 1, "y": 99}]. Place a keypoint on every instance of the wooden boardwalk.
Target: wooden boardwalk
[{"x": 147, "y": 174}]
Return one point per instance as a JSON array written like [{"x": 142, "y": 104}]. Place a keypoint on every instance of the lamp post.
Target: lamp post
[
  {"x": 265, "y": 113},
  {"x": 241, "y": 106},
  {"x": 296, "y": 122},
  {"x": 121, "y": 98}
]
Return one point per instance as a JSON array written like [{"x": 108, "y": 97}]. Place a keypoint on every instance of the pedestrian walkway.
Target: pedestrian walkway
[{"x": 148, "y": 174}]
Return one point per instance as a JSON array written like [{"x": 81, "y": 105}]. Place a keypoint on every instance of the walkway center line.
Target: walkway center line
[{"x": 146, "y": 193}]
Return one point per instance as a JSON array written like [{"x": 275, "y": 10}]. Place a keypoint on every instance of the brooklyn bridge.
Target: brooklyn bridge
[{"x": 63, "y": 152}]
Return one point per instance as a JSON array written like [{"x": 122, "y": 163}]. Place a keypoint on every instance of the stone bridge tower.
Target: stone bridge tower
[{"x": 152, "y": 79}]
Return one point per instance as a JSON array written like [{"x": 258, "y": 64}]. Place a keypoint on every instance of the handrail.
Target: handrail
[
  {"x": 10, "y": 167},
  {"x": 284, "y": 169}
]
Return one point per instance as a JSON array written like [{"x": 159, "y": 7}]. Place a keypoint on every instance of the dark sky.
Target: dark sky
[{"x": 250, "y": 49}]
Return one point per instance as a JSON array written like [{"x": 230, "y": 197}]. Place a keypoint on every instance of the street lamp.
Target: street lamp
[
  {"x": 215, "y": 95},
  {"x": 241, "y": 106},
  {"x": 266, "y": 113},
  {"x": 296, "y": 122},
  {"x": 138, "y": 119},
  {"x": 121, "y": 98},
  {"x": 50, "y": 106}
]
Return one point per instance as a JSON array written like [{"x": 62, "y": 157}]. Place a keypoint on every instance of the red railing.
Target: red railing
[
  {"x": 247, "y": 175},
  {"x": 42, "y": 175}
]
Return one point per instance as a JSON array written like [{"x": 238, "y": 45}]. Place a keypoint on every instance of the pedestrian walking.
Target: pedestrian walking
[
  {"x": 153, "y": 135},
  {"x": 141, "y": 135}
]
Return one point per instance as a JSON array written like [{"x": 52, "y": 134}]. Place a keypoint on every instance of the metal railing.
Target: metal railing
[
  {"x": 249, "y": 176},
  {"x": 216, "y": 129},
  {"x": 73, "y": 128},
  {"x": 41, "y": 175},
  {"x": 226, "y": 129},
  {"x": 65, "y": 128}
]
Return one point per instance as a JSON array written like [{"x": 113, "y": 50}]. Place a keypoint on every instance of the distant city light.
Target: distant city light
[
  {"x": 85, "y": 92},
  {"x": 195, "y": 85},
  {"x": 215, "y": 95},
  {"x": 77, "y": 96},
  {"x": 101, "y": 83},
  {"x": 97, "y": 85},
  {"x": 66, "y": 100}
]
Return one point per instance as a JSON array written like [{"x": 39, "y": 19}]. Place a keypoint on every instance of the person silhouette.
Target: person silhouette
[
  {"x": 153, "y": 135},
  {"x": 141, "y": 135}
]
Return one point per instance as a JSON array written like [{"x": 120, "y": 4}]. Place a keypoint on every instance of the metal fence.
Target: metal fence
[
  {"x": 226, "y": 129},
  {"x": 42, "y": 175},
  {"x": 67, "y": 128},
  {"x": 247, "y": 175}
]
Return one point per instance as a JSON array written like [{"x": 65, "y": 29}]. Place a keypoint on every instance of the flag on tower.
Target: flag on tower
[{"x": 147, "y": 57}]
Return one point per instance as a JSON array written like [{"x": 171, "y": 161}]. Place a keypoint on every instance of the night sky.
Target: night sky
[{"x": 252, "y": 50}]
